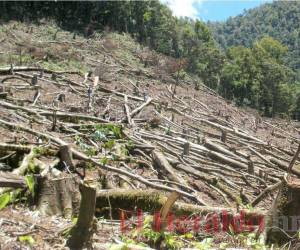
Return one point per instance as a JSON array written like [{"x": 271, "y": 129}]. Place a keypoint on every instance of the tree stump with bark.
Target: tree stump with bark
[
  {"x": 283, "y": 219},
  {"x": 58, "y": 196},
  {"x": 82, "y": 232}
]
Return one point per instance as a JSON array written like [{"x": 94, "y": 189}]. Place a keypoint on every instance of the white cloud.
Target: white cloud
[{"x": 183, "y": 8}]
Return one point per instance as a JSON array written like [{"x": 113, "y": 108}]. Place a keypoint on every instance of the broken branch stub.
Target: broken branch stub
[{"x": 66, "y": 156}]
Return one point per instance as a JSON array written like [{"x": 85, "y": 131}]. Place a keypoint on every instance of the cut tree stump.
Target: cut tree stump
[
  {"x": 58, "y": 196},
  {"x": 82, "y": 232},
  {"x": 283, "y": 219}
]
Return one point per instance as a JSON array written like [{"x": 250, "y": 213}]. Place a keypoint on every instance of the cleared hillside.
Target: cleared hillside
[{"x": 131, "y": 130}]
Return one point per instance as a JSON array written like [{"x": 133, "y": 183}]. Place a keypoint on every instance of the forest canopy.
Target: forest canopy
[{"x": 279, "y": 20}]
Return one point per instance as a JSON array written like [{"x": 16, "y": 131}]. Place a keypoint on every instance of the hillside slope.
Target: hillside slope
[
  {"x": 131, "y": 130},
  {"x": 280, "y": 20}
]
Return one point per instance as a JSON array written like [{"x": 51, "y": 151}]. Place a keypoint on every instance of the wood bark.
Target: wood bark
[
  {"x": 164, "y": 166},
  {"x": 58, "y": 196},
  {"x": 7, "y": 70},
  {"x": 11, "y": 180},
  {"x": 223, "y": 159},
  {"x": 265, "y": 192},
  {"x": 282, "y": 220},
  {"x": 285, "y": 166},
  {"x": 5, "y": 147},
  {"x": 82, "y": 232},
  {"x": 151, "y": 201},
  {"x": 127, "y": 111},
  {"x": 66, "y": 156}
]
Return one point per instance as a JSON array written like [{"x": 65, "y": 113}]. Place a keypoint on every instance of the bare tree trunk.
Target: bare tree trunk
[
  {"x": 82, "y": 233},
  {"x": 283, "y": 218}
]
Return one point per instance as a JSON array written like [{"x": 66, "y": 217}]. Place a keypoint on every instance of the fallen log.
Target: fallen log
[
  {"x": 218, "y": 126},
  {"x": 41, "y": 79},
  {"x": 138, "y": 109},
  {"x": 223, "y": 159},
  {"x": 4, "y": 147},
  {"x": 264, "y": 193},
  {"x": 151, "y": 201},
  {"x": 102, "y": 89},
  {"x": 137, "y": 177},
  {"x": 215, "y": 147},
  {"x": 7, "y": 70},
  {"x": 260, "y": 156},
  {"x": 210, "y": 181},
  {"x": 11, "y": 180},
  {"x": 16, "y": 107},
  {"x": 64, "y": 115},
  {"x": 164, "y": 166},
  {"x": 24, "y": 164},
  {"x": 285, "y": 166}
]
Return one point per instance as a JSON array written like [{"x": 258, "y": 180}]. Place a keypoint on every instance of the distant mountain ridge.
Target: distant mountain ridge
[{"x": 279, "y": 20}]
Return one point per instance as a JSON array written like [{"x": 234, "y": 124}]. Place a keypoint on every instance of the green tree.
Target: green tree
[
  {"x": 276, "y": 78},
  {"x": 240, "y": 76}
]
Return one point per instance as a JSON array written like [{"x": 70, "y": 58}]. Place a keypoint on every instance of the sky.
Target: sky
[{"x": 211, "y": 10}]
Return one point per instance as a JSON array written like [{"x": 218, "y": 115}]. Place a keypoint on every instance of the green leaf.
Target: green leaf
[
  {"x": 99, "y": 136},
  {"x": 30, "y": 184},
  {"x": 188, "y": 235},
  {"x": 4, "y": 200},
  {"x": 109, "y": 144},
  {"x": 15, "y": 195},
  {"x": 91, "y": 151},
  {"x": 74, "y": 220},
  {"x": 147, "y": 221},
  {"x": 27, "y": 239},
  {"x": 103, "y": 131},
  {"x": 104, "y": 161}
]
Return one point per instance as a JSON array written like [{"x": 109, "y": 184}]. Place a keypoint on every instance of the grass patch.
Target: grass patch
[
  {"x": 71, "y": 65},
  {"x": 7, "y": 59}
]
